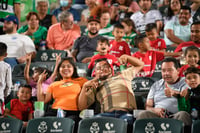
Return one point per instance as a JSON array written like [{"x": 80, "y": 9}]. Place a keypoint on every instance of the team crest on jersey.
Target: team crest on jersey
[
  {"x": 120, "y": 48},
  {"x": 66, "y": 84}
]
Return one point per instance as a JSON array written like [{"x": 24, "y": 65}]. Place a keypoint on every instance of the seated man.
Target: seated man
[
  {"x": 18, "y": 45},
  {"x": 114, "y": 93},
  {"x": 61, "y": 35},
  {"x": 178, "y": 31},
  {"x": 85, "y": 46},
  {"x": 161, "y": 101},
  {"x": 194, "y": 39}
]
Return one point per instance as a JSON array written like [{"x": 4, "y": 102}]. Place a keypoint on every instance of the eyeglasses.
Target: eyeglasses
[{"x": 102, "y": 67}]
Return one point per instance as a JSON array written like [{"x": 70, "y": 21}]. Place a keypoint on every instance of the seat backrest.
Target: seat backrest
[
  {"x": 196, "y": 126},
  {"x": 49, "y": 55},
  {"x": 18, "y": 70},
  {"x": 50, "y": 125},
  {"x": 170, "y": 49},
  {"x": 158, "y": 125},
  {"x": 10, "y": 125},
  {"x": 102, "y": 124},
  {"x": 141, "y": 84}
]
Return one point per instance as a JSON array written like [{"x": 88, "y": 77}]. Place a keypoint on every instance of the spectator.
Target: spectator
[
  {"x": 148, "y": 56},
  {"x": 14, "y": 9},
  {"x": 103, "y": 49},
  {"x": 178, "y": 31},
  {"x": 192, "y": 96},
  {"x": 65, "y": 5},
  {"x": 36, "y": 32},
  {"x": 130, "y": 32},
  {"x": 45, "y": 19},
  {"x": 195, "y": 38},
  {"x": 195, "y": 10},
  {"x": 61, "y": 36},
  {"x": 174, "y": 8},
  {"x": 5, "y": 77},
  {"x": 18, "y": 45},
  {"x": 65, "y": 91},
  {"x": 161, "y": 102},
  {"x": 21, "y": 108},
  {"x": 156, "y": 43},
  {"x": 85, "y": 46},
  {"x": 85, "y": 14},
  {"x": 33, "y": 81},
  {"x": 145, "y": 16},
  {"x": 118, "y": 46},
  {"x": 114, "y": 93},
  {"x": 122, "y": 9},
  {"x": 192, "y": 57},
  {"x": 105, "y": 27}
]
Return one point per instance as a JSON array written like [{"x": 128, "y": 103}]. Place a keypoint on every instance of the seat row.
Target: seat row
[{"x": 96, "y": 125}]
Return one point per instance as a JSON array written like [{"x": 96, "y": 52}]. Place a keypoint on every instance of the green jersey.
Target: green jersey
[{"x": 7, "y": 8}]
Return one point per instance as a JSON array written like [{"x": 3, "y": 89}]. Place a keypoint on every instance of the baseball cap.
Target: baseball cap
[
  {"x": 12, "y": 18},
  {"x": 94, "y": 18}
]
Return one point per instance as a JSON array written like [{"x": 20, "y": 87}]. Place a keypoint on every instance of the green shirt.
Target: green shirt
[
  {"x": 130, "y": 39},
  {"x": 7, "y": 8},
  {"x": 37, "y": 36}
]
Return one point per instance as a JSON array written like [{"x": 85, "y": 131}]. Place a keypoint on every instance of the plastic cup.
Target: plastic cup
[{"x": 39, "y": 105}]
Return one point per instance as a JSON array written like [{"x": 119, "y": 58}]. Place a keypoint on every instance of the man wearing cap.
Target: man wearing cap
[
  {"x": 18, "y": 45},
  {"x": 61, "y": 36},
  {"x": 85, "y": 46},
  {"x": 9, "y": 7}
]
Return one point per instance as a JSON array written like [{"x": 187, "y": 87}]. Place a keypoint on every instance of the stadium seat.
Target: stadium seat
[
  {"x": 10, "y": 125},
  {"x": 18, "y": 70},
  {"x": 102, "y": 125},
  {"x": 50, "y": 125},
  {"x": 170, "y": 49},
  {"x": 158, "y": 125},
  {"x": 133, "y": 50},
  {"x": 49, "y": 55},
  {"x": 196, "y": 126},
  {"x": 142, "y": 84}
]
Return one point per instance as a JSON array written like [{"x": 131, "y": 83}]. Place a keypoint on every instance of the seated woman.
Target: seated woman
[
  {"x": 36, "y": 32},
  {"x": 65, "y": 91},
  {"x": 45, "y": 20}
]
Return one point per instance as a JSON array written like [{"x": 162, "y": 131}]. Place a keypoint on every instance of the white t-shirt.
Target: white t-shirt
[
  {"x": 18, "y": 45},
  {"x": 140, "y": 20}
]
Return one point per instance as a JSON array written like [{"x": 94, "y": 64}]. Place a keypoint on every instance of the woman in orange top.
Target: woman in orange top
[{"x": 65, "y": 91}]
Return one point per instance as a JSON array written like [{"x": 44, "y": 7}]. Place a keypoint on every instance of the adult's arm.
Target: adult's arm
[
  {"x": 150, "y": 106},
  {"x": 138, "y": 64},
  {"x": 17, "y": 10},
  {"x": 172, "y": 37}
]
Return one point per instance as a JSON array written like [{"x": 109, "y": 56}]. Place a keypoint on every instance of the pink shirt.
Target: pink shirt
[
  {"x": 45, "y": 85},
  {"x": 59, "y": 39}
]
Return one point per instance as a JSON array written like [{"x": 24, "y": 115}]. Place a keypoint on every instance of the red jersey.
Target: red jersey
[
  {"x": 119, "y": 48},
  {"x": 183, "y": 69},
  {"x": 158, "y": 44},
  {"x": 184, "y": 45},
  {"x": 20, "y": 110},
  {"x": 150, "y": 58},
  {"x": 111, "y": 59}
]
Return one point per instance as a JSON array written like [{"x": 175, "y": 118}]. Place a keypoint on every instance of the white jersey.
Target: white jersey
[
  {"x": 140, "y": 20},
  {"x": 18, "y": 45}
]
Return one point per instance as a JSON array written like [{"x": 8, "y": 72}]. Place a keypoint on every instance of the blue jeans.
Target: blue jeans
[
  {"x": 12, "y": 61},
  {"x": 119, "y": 114}
]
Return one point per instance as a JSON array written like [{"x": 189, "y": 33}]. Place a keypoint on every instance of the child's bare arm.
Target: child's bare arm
[
  {"x": 40, "y": 95},
  {"x": 30, "y": 116},
  {"x": 26, "y": 69},
  {"x": 8, "y": 114},
  {"x": 54, "y": 74}
]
